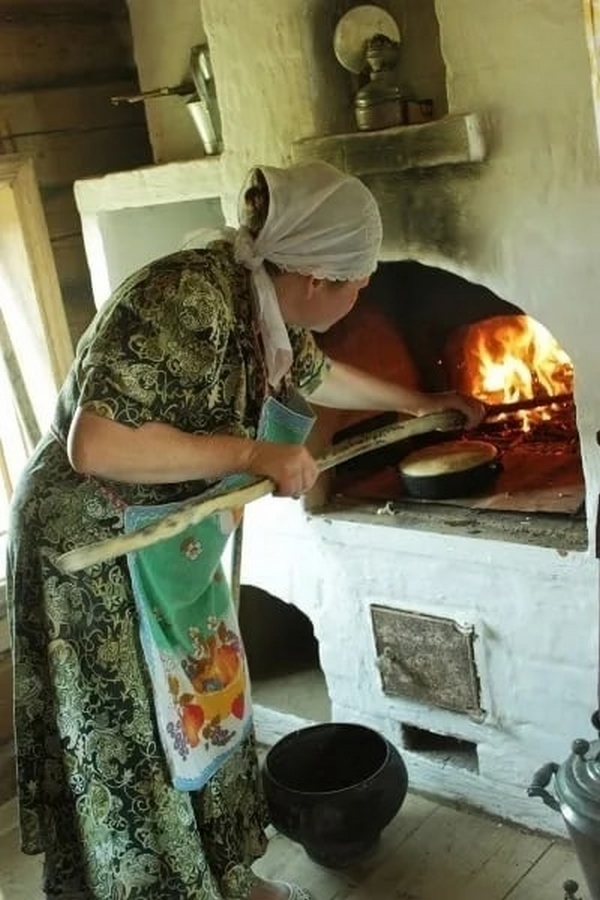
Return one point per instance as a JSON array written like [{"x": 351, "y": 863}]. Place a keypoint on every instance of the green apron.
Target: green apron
[{"x": 188, "y": 626}]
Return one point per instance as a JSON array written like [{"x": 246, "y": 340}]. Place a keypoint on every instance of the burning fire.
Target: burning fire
[{"x": 512, "y": 358}]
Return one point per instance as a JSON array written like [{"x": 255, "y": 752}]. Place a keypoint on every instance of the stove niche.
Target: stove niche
[{"x": 432, "y": 330}]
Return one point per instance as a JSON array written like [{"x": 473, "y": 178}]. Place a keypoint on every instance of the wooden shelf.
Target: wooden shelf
[{"x": 449, "y": 141}]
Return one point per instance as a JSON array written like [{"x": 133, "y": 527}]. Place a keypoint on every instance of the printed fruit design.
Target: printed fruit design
[
  {"x": 215, "y": 672},
  {"x": 237, "y": 707},
  {"x": 226, "y": 663},
  {"x": 192, "y": 720},
  {"x": 217, "y": 662}
]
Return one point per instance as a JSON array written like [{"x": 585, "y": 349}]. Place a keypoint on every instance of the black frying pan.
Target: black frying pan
[{"x": 450, "y": 469}]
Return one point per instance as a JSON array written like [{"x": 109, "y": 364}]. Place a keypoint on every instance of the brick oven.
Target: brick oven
[{"x": 465, "y": 632}]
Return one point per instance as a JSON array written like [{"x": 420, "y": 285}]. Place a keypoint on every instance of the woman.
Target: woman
[{"x": 136, "y": 761}]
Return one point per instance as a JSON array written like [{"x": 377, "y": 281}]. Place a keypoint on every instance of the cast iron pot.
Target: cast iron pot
[
  {"x": 332, "y": 788},
  {"x": 450, "y": 469}
]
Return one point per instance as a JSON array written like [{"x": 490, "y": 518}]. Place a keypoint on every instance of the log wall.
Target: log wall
[{"x": 60, "y": 63}]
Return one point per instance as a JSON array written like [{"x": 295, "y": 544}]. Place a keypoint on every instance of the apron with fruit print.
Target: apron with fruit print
[{"x": 188, "y": 626}]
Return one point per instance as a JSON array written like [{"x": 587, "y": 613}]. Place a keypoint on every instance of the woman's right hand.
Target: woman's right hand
[
  {"x": 472, "y": 409},
  {"x": 290, "y": 466}
]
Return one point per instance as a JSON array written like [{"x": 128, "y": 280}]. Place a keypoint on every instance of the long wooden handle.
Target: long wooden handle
[{"x": 194, "y": 511}]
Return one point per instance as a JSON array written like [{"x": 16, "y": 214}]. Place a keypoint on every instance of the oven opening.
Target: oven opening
[
  {"x": 518, "y": 476},
  {"x": 282, "y": 652}
]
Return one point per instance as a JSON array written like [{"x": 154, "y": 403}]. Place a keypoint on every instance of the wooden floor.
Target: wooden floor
[{"x": 429, "y": 852}]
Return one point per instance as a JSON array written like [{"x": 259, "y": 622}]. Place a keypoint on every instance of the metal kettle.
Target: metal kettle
[{"x": 577, "y": 797}]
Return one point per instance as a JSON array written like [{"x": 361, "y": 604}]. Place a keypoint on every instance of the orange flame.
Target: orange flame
[{"x": 512, "y": 358}]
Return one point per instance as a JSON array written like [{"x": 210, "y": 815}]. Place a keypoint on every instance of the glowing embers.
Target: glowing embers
[{"x": 512, "y": 359}]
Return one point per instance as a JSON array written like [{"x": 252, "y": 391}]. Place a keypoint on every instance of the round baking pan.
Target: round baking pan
[{"x": 450, "y": 469}]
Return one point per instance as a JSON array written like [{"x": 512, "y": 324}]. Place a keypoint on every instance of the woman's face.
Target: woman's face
[
  {"x": 330, "y": 301},
  {"x": 314, "y": 303}
]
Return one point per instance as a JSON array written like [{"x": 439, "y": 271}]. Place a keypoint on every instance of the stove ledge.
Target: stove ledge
[
  {"x": 565, "y": 534},
  {"x": 452, "y": 140}
]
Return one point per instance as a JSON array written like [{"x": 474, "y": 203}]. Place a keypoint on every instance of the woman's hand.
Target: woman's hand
[
  {"x": 158, "y": 453},
  {"x": 473, "y": 410},
  {"x": 290, "y": 466},
  {"x": 345, "y": 387}
]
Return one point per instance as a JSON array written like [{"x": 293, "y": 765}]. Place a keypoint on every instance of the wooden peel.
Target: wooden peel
[{"x": 194, "y": 511}]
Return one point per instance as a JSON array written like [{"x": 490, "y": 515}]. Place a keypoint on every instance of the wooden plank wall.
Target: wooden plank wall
[{"x": 60, "y": 62}]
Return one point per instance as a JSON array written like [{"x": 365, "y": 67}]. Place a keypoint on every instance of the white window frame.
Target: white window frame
[{"x": 27, "y": 262}]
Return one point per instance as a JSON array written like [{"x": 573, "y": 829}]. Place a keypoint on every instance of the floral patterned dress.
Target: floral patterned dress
[{"x": 176, "y": 344}]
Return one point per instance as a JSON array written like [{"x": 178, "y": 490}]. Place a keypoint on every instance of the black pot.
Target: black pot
[
  {"x": 453, "y": 469},
  {"x": 333, "y": 788}
]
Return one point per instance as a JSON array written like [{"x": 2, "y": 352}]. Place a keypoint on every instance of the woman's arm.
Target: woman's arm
[
  {"x": 345, "y": 387},
  {"x": 158, "y": 453}
]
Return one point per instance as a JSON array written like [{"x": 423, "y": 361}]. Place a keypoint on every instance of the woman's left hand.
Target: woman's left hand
[
  {"x": 345, "y": 387},
  {"x": 473, "y": 410}
]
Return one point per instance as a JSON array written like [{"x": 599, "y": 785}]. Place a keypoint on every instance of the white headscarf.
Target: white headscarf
[{"x": 320, "y": 222}]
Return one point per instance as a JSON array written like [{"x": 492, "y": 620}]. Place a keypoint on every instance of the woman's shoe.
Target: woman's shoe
[{"x": 240, "y": 881}]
